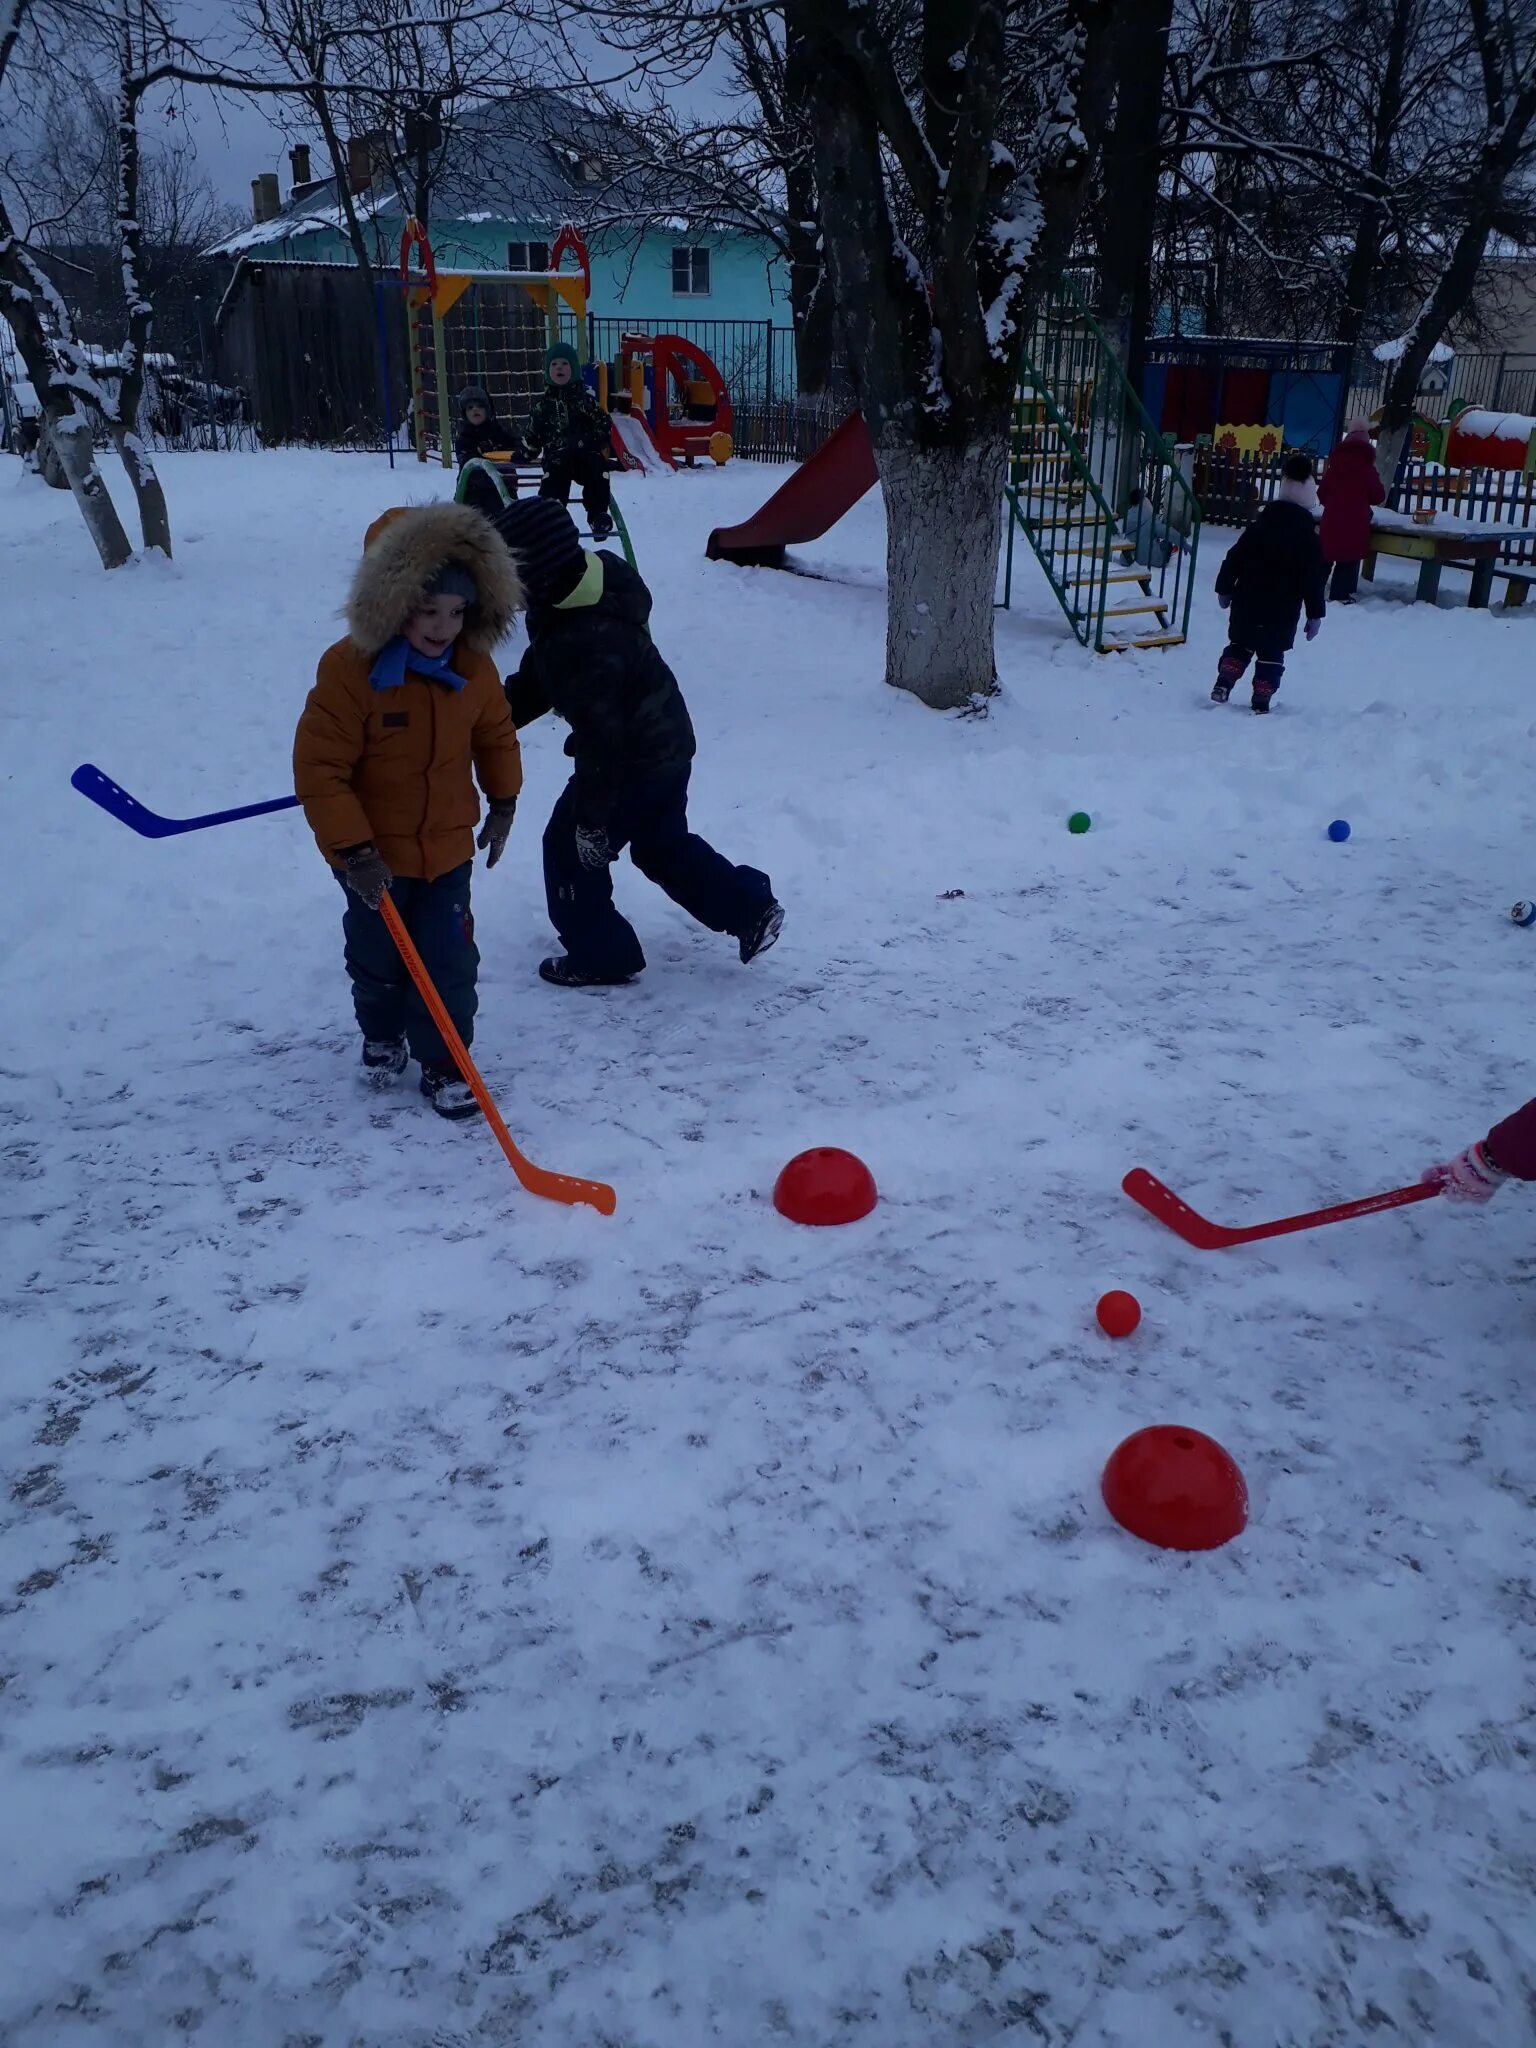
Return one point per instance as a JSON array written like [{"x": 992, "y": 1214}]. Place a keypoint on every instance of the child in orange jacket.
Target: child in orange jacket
[{"x": 406, "y": 714}]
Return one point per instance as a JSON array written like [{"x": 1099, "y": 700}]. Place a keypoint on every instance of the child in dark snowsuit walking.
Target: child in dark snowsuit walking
[
  {"x": 1274, "y": 569},
  {"x": 480, "y": 432},
  {"x": 571, "y": 434},
  {"x": 402, "y": 709},
  {"x": 1349, "y": 488},
  {"x": 591, "y": 660}
]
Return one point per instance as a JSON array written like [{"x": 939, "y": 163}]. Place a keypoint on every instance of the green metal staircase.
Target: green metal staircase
[{"x": 1082, "y": 443}]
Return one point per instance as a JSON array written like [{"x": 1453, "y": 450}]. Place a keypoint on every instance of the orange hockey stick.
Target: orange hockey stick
[{"x": 554, "y": 1187}]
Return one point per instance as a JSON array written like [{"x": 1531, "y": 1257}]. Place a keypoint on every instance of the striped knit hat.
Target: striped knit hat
[{"x": 543, "y": 537}]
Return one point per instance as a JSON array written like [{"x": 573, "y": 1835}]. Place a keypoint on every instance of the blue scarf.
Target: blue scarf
[{"x": 398, "y": 655}]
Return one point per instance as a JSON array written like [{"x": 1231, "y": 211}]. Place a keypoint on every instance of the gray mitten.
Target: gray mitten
[
  {"x": 365, "y": 873},
  {"x": 592, "y": 848},
  {"x": 498, "y": 825}
]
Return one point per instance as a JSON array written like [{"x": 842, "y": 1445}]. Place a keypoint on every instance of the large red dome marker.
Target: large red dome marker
[
  {"x": 1176, "y": 1488},
  {"x": 825, "y": 1185}
]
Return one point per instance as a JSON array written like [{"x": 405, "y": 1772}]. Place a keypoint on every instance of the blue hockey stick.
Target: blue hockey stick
[{"x": 101, "y": 789}]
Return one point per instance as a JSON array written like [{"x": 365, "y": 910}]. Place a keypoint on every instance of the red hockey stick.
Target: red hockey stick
[{"x": 1166, "y": 1206}]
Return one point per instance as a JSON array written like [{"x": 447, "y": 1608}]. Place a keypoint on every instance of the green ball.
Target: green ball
[{"x": 1079, "y": 822}]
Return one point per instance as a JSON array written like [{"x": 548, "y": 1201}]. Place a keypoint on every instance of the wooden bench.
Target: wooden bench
[{"x": 1518, "y": 578}]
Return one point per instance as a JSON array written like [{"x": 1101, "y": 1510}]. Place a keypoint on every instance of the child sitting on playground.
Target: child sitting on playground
[
  {"x": 400, "y": 711},
  {"x": 1148, "y": 534},
  {"x": 592, "y": 661},
  {"x": 480, "y": 432},
  {"x": 569, "y": 430},
  {"x": 1274, "y": 568}
]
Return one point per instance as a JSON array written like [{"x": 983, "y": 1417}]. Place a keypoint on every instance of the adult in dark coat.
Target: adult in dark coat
[
  {"x": 592, "y": 661},
  {"x": 1350, "y": 486},
  {"x": 1272, "y": 572},
  {"x": 1507, "y": 1153}
]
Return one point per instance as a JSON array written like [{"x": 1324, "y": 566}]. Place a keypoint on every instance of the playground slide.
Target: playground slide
[
  {"x": 632, "y": 437},
  {"x": 802, "y": 508}
]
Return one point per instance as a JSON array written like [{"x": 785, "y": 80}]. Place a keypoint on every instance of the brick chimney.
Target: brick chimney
[
  {"x": 298, "y": 159},
  {"x": 266, "y": 202},
  {"x": 361, "y": 152}
]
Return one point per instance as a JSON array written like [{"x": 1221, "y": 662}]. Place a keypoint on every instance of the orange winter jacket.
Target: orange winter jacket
[
  {"x": 399, "y": 766},
  {"x": 394, "y": 766}
]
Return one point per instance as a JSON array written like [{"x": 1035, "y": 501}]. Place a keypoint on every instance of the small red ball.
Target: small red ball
[
  {"x": 1118, "y": 1313},
  {"x": 1176, "y": 1488},
  {"x": 825, "y": 1185}
]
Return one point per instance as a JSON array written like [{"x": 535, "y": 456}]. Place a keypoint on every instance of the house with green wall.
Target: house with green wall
[{"x": 507, "y": 176}]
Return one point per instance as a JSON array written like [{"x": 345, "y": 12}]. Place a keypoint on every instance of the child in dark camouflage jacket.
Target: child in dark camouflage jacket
[{"x": 570, "y": 433}]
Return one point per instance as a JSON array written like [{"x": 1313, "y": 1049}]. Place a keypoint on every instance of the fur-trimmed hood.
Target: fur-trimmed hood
[{"x": 403, "y": 551}]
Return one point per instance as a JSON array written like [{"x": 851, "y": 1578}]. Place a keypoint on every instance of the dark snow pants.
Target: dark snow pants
[
  {"x": 1346, "y": 581},
  {"x": 651, "y": 819},
  {"x": 585, "y": 467},
  {"x": 438, "y": 917}
]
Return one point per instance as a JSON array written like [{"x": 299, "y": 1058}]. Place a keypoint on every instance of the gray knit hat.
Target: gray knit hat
[{"x": 452, "y": 580}]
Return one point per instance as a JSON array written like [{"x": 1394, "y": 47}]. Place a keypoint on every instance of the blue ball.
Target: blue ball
[{"x": 1339, "y": 829}]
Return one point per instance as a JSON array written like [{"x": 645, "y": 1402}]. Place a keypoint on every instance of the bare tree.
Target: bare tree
[
  {"x": 40, "y": 320},
  {"x": 1502, "y": 157},
  {"x": 940, "y": 240}
]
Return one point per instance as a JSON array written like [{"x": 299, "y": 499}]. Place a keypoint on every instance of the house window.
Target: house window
[
  {"x": 527, "y": 255},
  {"x": 690, "y": 273}
]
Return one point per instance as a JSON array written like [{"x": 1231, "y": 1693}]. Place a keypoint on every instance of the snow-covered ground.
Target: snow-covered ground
[{"x": 432, "y": 1616}]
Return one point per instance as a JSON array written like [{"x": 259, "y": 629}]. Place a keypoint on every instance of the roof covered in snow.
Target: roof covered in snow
[{"x": 534, "y": 161}]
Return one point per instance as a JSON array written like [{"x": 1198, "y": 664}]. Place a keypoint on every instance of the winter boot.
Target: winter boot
[
  {"x": 1231, "y": 665},
  {"x": 1262, "y": 695},
  {"x": 602, "y": 529},
  {"x": 449, "y": 1094},
  {"x": 384, "y": 1060},
  {"x": 563, "y": 973},
  {"x": 763, "y": 934}
]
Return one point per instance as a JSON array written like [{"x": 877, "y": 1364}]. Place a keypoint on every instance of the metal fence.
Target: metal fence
[{"x": 1503, "y": 380}]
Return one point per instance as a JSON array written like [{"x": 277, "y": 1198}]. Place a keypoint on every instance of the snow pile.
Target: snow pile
[
  {"x": 1478, "y": 424},
  {"x": 434, "y": 1617},
  {"x": 1394, "y": 351}
]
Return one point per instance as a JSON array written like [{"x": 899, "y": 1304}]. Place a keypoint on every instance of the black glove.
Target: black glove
[
  {"x": 498, "y": 823},
  {"x": 365, "y": 873},
  {"x": 592, "y": 848}
]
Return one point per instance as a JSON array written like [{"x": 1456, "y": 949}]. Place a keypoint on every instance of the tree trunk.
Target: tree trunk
[
  {"x": 943, "y": 510},
  {"x": 63, "y": 425},
  {"x": 320, "y": 102},
  {"x": 72, "y": 439},
  {"x": 812, "y": 311},
  {"x": 148, "y": 491},
  {"x": 811, "y": 302},
  {"x": 154, "y": 516},
  {"x": 1130, "y": 177},
  {"x": 1369, "y": 224}
]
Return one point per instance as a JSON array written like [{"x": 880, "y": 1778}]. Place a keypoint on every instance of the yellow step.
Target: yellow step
[
  {"x": 1150, "y": 640},
  {"x": 1127, "y": 611}
]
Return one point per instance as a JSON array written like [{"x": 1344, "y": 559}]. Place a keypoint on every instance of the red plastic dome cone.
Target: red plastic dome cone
[
  {"x": 825, "y": 1185},
  {"x": 1176, "y": 1488}
]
